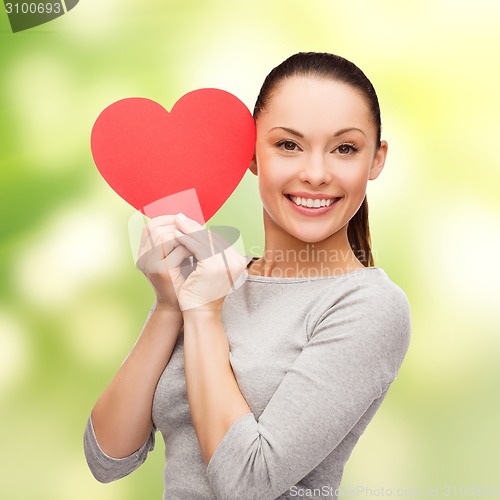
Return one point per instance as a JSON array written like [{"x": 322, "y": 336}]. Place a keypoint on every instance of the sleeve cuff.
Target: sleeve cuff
[
  {"x": 237, "y": 439},
  {"x": 106, "y": 468}
]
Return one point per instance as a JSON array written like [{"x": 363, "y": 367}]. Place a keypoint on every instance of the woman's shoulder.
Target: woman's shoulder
[
  {"x": 372, "y": 289},
  {"x": 366, "y": 280},
  {"x": 382, "y": 306},
  {"x": 380, "y": 279},
  {"x": 373, "y": 311},
  {"x": 365, "y": 298}
]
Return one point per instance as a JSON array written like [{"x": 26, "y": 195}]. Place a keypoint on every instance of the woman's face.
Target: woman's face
[{"x": 315, "y": 138}]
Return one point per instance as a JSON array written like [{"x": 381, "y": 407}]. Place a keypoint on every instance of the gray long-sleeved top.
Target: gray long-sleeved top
[{"x": 313, "y": 358}]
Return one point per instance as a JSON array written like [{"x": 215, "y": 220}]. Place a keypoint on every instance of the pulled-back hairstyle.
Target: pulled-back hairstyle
[{"x": 333, "y": 67}]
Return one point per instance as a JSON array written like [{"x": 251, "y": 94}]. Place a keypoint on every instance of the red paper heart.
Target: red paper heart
[{"x": 147, "y": 154}]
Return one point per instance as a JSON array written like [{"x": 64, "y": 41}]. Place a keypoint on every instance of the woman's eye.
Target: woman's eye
[
  {"x": 345, "y": 149},
  {"x": 287, "y": 145}
]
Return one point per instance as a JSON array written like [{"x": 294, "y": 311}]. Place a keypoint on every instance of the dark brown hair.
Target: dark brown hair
[{"x": 334, "y": 67}]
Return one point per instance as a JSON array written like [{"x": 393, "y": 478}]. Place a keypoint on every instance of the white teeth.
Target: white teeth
[{"x": 310, "y": 203}]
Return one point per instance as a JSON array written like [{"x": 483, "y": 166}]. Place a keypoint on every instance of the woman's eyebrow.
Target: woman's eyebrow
[
  {"x": 289, "y": 130},
  {"x": 336, "y": 134},
  {"x": 344, "y": 130}
]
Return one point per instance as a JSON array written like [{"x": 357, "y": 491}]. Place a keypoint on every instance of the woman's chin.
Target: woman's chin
[{"x": 310, "y": 236}]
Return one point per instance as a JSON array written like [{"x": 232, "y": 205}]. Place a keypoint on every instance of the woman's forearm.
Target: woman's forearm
[
  {"x": 122, "y": 416},
  {"x": 215, "y": 400}
]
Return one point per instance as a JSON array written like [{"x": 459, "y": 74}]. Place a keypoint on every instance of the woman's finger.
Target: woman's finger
[
  {"x": 156, "y": 262},
  {"x": 149, "y": 232},
  {"x": 159, "y": 238},
  {"x": 146, "y": 261},
  {"x": 176, "y": 256},
  {"x": 198, "y": 239},
  {"x": 161, "y": 220},
  {"x": 214, "y": 242},
  {"x": 164, "y": 236},
  {"x": 197, "y": 242}
]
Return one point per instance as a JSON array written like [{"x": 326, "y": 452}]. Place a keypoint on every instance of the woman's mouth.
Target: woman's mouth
[{"x": 308, "y": 206}]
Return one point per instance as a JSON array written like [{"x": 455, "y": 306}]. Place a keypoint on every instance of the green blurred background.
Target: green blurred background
[{"x": 72, "y": 302}]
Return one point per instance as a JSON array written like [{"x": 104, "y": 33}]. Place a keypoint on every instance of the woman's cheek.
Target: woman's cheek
[{"x": 355, "y": 171}]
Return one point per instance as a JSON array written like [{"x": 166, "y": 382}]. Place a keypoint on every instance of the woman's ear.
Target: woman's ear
[
  {"x": 378, "y": 161},
  {"x": 253, "y": 166}
]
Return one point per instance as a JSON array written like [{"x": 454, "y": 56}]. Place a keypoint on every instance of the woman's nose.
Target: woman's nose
[{"x": 315, "y": 171}]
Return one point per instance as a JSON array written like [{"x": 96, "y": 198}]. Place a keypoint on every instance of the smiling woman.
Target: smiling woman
[
  {"x": 266, "y": 390},
  {"x": 323, "y": 160},
  {"x": 318, "y": 124}
]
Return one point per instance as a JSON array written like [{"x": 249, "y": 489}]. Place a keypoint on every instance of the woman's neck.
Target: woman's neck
[{"x": 294, "y": 258}]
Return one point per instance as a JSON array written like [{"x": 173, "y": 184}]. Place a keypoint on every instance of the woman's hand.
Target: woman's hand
[
  {"x": 218, "y": 266},
  {"x": 160, "y": 257}
]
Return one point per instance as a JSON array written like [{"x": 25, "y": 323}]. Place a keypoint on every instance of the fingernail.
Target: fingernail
[{"x": 182, "y": 216}]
